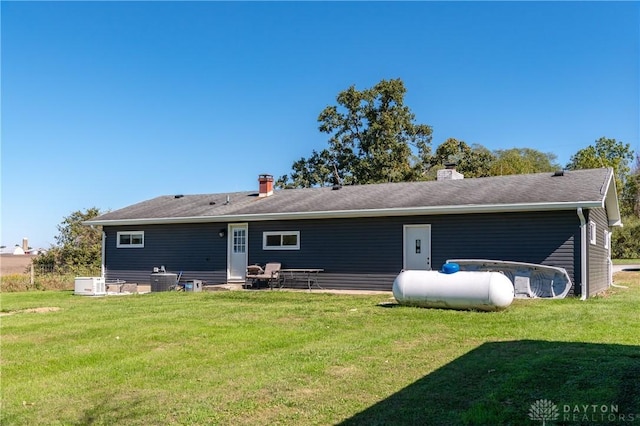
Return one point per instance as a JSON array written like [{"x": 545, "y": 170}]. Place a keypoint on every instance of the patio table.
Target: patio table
[{"x": 310, "y": 275}]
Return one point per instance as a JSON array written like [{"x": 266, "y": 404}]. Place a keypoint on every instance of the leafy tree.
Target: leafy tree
[
  {"x": 630, "y": 197},
  {"x": 314, "y": 171},
  {"x": 372, "y": 138},
  {"x": 625, "y": 241},
  {"x": 78, "y": 245},
  {"x": 516, "y": 161},
  {"x": 471, "y": 161},
  {"x": 605, "y": 153}
]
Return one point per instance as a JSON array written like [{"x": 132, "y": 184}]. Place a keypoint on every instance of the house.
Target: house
[{"x": 364, "y": 235}]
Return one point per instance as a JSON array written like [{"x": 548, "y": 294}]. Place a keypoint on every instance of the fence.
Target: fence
[{"x": 47, "y": 277}]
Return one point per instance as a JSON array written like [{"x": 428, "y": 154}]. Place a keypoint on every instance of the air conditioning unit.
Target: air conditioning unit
[{"x": 90, "y": 286}]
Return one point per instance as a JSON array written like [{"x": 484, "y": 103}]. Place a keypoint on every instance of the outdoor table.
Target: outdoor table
[{"x": 308, "y": 274}]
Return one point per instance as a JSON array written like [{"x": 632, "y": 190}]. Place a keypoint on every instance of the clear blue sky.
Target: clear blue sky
[{"x": 107, "y": 104}]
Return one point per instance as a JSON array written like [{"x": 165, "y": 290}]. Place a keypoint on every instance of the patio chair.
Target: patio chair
[{"x": 270, "y": 273}]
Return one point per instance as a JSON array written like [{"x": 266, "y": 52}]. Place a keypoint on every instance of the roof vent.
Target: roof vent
[
  {"x": 178, "y": 196},
  {"x": 558, "y": 173}
]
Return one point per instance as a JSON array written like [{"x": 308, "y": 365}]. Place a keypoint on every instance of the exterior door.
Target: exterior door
[
  {"x": 237, "y": 252},
  {"x": 417, "y": 247}
]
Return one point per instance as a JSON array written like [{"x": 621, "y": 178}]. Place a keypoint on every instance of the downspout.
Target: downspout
[
  {"x": 104, "y": 245},
  {"x": 583, "y": 255}
]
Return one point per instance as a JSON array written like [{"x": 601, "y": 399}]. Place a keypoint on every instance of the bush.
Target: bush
[
  {"x": 41, "y": 281},
  {"x": 625, "y": 241}
]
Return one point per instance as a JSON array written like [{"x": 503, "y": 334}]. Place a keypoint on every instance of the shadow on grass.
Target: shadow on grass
[
  {"x": 116, "y": 409},
  {"x": 499, "y": 382}
]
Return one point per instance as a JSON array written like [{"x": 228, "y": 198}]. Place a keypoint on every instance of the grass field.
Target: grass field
[{"x": 263, "y": 357}]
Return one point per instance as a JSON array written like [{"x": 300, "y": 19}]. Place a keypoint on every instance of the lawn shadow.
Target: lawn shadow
[
  {"x": 500, "y": 382},
  {"x": 115, "y": 409}
]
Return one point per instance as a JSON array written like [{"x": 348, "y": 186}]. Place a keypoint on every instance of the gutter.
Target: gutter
[
  {"x": 583, "y": 255},
  {"x": 356, "y": 213}
]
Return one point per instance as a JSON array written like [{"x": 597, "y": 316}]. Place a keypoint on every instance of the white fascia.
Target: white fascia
[
  {"x": 610, "y": 203},
  {"x": 334, "y": 214}
]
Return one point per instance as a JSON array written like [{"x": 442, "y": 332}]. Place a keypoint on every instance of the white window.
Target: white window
[
  {"x": 281, "y": 240},
  {"x": 592, "y": 232},
  {"x": 239, "y": 240},
  {"x": 130, "y": 239}
]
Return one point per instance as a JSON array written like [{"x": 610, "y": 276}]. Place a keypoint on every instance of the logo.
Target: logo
[{"x": 543, "y": 410}]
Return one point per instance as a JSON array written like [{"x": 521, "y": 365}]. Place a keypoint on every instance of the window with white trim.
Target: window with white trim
[
  {"x": 281, "y": 240},
  {"x": 592, "y": 232},
  {"x": 130, "y": 239}
]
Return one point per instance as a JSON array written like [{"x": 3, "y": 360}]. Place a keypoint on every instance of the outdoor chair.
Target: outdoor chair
[{"x": 270, "y": 273}]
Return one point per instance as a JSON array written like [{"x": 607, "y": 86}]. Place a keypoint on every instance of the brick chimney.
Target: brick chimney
[
  {"x": 449, "y": 173},
  {"x": 266, "y": 185}
]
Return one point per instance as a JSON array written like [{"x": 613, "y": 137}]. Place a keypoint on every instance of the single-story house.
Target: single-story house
[{"x": 362, "y": 236}]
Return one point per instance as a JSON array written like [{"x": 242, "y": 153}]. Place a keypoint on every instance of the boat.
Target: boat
[{"x": 530, "y": 280}]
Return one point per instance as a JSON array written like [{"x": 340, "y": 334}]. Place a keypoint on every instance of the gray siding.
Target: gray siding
[
  {"x": 597, "y": 254},
  {"x": 363, "y": 253},
  {"x": 367, "y": 252},
  {"x": 194, "y": 249}
]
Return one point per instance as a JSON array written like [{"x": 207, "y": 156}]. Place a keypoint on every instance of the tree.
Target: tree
[
  {"x": 471, "y": 161},
  {"x": 605, "y": 153},
  {"x": 372, "y": 138},
  {"x": 630, "y": 197},
  {"x": 516, "y": 161},
  {"x": 78, "y": 245}
]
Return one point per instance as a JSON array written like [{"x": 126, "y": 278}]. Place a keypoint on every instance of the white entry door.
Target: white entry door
[
  {"x": 417, "y": 247},
  {"x": 237, "y": 252}
]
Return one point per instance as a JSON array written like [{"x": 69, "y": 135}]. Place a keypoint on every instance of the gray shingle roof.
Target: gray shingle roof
[{"x": 540, "y": 191}]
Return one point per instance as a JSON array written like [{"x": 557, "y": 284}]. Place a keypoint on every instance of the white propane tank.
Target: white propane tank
[{"x": 486, "y": 291}]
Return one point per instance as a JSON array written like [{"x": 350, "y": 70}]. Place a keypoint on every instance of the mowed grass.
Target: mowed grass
[{"x": 277, "y": 357}]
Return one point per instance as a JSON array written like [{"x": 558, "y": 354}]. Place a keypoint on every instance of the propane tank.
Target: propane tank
[{"x": 486, "y": 291}]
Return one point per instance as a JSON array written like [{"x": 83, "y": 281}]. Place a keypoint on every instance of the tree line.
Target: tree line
[{"x": 373, "y": 138}]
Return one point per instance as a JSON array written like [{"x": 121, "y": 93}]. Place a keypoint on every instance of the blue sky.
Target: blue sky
[{"x": 107, "y": 104}]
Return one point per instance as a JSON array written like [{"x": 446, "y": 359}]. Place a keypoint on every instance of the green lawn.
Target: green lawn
[
  {"x": 626, "y": 261},
  {"x": 276, "y": 357}
]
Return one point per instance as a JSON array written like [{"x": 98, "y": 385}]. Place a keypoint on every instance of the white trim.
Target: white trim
[
  {"x": 404, "y": 242},
  {"x": 610, "y": 202},
  {"x": 266, "y": 234},
  {"x": 607, "y": 238},
  {"x": 103, "y": 252},
  {"x": 583, "y": 255},
  {"x": 593, "y": 233},
  {"x": 120, "y": 245},
  {"x": 230, "y": 250},
  {"x": 331, "y": 214}
]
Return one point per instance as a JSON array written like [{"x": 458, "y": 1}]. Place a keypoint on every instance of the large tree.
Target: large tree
[
  {"x": 605, "y": 153},
  {"x": 470, "y": 160},
  {"x": 78, "y": 245},
  {"x": 630, "y": 197},
  {"x": 516, "y": 161},
  {"x": 372, "y": 138}
]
